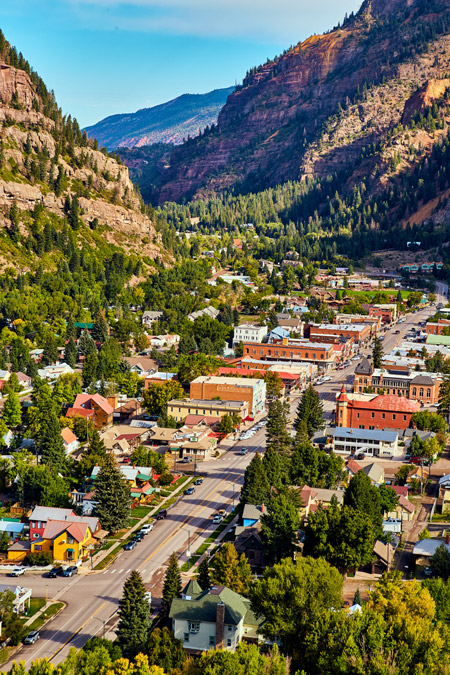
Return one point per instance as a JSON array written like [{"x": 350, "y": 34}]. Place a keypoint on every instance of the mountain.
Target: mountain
[
  {"x": 336, "y": 103},
  {"x": 59, "y": 195},
  {"x": 170, "y": 122}
]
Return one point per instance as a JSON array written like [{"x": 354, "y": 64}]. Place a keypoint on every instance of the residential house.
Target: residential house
[
  {"x": 376, "y": 474},
  {"x": 212, "y": 312},
  {"x": 41, "y": 515},
  {"x": 248, "y": 541},
  {"x": 164, "y": 341},
  {"x": 138, "y": 479},
  {"x": 251, "y": 514},
  {"x": 94, "y": 407},
  {"x": 71, "y": 442},
  {"x": 352, "y": 468},
  {"x": 291, "y": 324},
  {"x": 22, "y": 597},
  {"x": 126, "y": 410},
  {"x": 54, "y": 371},
  {"x": 216, "y": 618},
  {"x": 278, "y": 334},
  {"x": 196, "y": 442},
  {"x": 372, "y": 442},
  {"x": 248, "y": 332},
  {"x": 403, "y": 511},
  {"x": 24, "y": 380},
  {"x": 67, "y": 541},
  {"x": 13, "y": 528},
  {"x": 311, "y": 498},
  {"x": 142, "y": 365},
  {"x": 149, "y": 318},
  {"x": 374, "y": 411}
]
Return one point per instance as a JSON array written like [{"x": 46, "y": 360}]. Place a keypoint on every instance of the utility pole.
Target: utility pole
[{"x": 188, "y": 552}]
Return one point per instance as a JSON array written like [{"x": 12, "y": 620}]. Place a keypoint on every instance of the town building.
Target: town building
[
  {"x": 248, "y": 332},
  {"x": 372, "y": 442},
  {"x": 41, "y": 515},
  {"x": 374, "y": 411},
  {"x": 71, "y": 442},
  {"x": 387, "y": 312},
  {"x": 94, "y": 407},
  {"x": 438, "y": 327},
  {"x": 252, "y": 391},
  {"x": 216, "y": 618},
  {"x": 397, "y": 380},
  {"x": 149, "y": 318},
  {"x": 181, "y": 409},
  {"x": 322, "y": 355},
  {"x": 66, "y": 541},
  {"x": 359, "y": 333},
  {"x": 212, "y": 312}
]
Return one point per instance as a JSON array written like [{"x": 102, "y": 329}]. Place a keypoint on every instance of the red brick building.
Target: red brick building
[
  {"x": 359, "y": 333},
  {"x": 372, "y": 411},
  {"x": 437, "y": 328},
  {"x": 292, "y": 350}
]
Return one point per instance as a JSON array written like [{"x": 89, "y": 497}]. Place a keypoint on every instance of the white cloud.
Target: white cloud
[{"x": 284, "y": 20}]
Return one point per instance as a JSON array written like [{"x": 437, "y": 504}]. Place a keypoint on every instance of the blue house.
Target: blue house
[{"x": 278, "y": 333}]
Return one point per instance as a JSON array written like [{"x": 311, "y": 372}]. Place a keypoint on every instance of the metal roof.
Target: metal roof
[{"x": 365, "y": 434}]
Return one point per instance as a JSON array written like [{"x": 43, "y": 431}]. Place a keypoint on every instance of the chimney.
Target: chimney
[
  {"x": 263, "y": 508},
  {"x": 447, "y": 539},
  {"x": 220, "y": 624}
]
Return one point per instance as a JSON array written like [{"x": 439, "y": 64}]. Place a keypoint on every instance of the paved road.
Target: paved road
[{"x": 92, "y": 598}]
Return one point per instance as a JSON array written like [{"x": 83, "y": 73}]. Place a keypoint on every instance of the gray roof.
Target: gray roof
[
  {"x": 375, "y": 472},
  {"x": 44, "y": 513},
  {"x": 364, "y": 367},
  {"x": 423, "y": 380},
  {"x": 251, "y": 512},
  {"x": 365, "y": 434},
  {"x": 427, "y": 547},
  {"x": 203, "y": 607}
]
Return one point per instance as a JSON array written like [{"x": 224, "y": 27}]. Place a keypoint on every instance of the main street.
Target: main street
[{"x": 92, "y": 599}]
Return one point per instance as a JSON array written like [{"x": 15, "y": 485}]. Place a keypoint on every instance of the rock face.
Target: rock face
[
  {"x": 170, "y": 122},
  {"x": 35, "y": 153},
  {"x": 275, "y": 125},
  {"x": 424, "y": 98}
]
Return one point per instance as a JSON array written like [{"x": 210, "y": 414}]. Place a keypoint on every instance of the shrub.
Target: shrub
[
  {"x": 165, "y": 478},
  {"x": 40, "y": 559}
]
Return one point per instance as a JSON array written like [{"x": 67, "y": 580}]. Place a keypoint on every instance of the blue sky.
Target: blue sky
[{"x": 103, "y": 57}]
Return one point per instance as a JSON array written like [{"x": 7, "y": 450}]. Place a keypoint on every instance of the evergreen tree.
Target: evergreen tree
[
  {"x": 204, "y": 577},
  {"x": 50, "y": 353},
  {"x": 399, "y": 296},
  {"x": 377, "y": 353},
  {"x": 12, "y": 411},
  {"x": 276, "y": 468},
  {"x": 32, "y": 369},
  {"x": 305, "y": 467},
  {"x": 50, "y": 443},
  {"x": 165, "y": 651},
  {"x": 70, "y": 353},
  {"x": 113, "y": 496},
  {"x": 364, "y": 497},
  {"x": 134, "y": 612},
  {"x": 278, "y": 438},
  {"x": 357, "y": 600},
  {"x": 309, "y": 412},
  {"x": 90, "y": 368},
  {"x": 172, "y": 584},
  {"x": 96, "y": 445},
  {"x": 256, "y": 488},
  {"x": 279, "y": 526},
  {"x": 84, "y": 343},
  {"x": 100, "y": 330},
  {"x": 231, "y": 570},
  {"x": 71, "y": 331}
]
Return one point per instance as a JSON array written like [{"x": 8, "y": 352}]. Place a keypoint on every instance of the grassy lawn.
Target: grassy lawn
[
  {"x": 207, "y": 543},
  {"x": 441, "y": 518},
  {"x": 35, "y": 605},
  {"x": 49, "y": 612},
  {"x": 141, "y": 511}
]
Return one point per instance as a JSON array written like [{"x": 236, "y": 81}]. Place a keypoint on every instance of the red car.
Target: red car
[
  {"x": 126, "y": 460},
  {"x": 416, "y": 460}
]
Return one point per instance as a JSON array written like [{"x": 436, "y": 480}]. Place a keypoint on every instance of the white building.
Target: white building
[
  {"x": 54, "y": 371},
  {"x": 149, "y": 318},
  {"x": 372, "y": 442},
  {"x": 248, "y": 332}
]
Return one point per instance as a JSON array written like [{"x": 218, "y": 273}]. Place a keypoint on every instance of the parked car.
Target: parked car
[
  {"x": 17, "y": 572},
  {"x": 189, "y": 491},
  {"x": 148, "y": 597},
  {"x": 222, "y": 512},
  {"x": 217, "y": 519},
  {"x": 126, "y": 460},
  {"x": 138, "y": 537},
  {"x": 428, "y": 572},
  {"x": 162, "y": 514},
  {"x": 243, "y": 451},
  {"x": 186, "y": 460},
  {"x": 198, "y": 481},
  {"x": 360, "y": 455},
  {"x": 70, "y": 571},
  {"x": 32, "y": 637},
  {"x": 407, "y": 457},
  {"x": 415, "y": 460},
  {"x": 326, "y": 378},
  {"x": 145, "y": 529},
  {"x": 130, "y": 546}
]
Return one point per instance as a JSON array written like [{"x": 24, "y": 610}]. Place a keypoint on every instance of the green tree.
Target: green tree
[
  {"x": 377, "y": 353},
  {"x": 440, "y": 562},
  {"x": 191, "y": 366},
  {"x": 4, "y": 542},
  {"x": 50, "y": 353},
  {"x": 274, "y": 384},
  {"x": 231, "y": 570},
  {"x": 309, "y": 412},
  {"x": 204, "y": 576},
  {"x": 277, "y": 435},
  {"x": 70, "y": 353},
  {"x": 134, "y": 612},
  {"x": 50, "y": 443},
  {"x": 388, "y": 498},
  {"x": 256, "y": 488},
  {"x": 12, "y": 411},
  {"x": 363, "y": 496},
  {"x": 157, "y": 396},
  {"x": 291, "y": 596},
  {"x": 100, "y": 329},
  {"x": 164, "y": 650},
  {"x": 172, "y": 584},
  {"x": 280, "y": 525},
  {"x": 113, "y": 496}
]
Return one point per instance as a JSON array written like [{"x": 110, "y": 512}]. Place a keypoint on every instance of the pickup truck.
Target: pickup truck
[{"x": 17, "y": 572}]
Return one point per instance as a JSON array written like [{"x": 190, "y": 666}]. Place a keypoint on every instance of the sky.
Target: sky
[{"x": 103, "y": 57}]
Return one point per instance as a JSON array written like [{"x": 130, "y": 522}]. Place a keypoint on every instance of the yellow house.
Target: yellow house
[{"x": 66, "y": 541}]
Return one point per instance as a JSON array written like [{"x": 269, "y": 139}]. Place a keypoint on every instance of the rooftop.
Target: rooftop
[{"x": 365, "y": 434}]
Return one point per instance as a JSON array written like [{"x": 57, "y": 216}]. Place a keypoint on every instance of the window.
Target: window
[
  {"x": 414, "y": 392},
  {"x": 371, "y": 427},
  {"x": 421, "y": 393},
  {"x": 372, "y": 415},
  {"x": 212, "y": 641},
  {"x": 314, "y": 356},
  {"x": 428, "y": 393},
  {"x": 306, "y": 355},
  {"x": 194, "y": 626},
  {"x": 228, "y": 642},
  {"x": 361, "y": 426},
  {"x": 38, "y": 548},
  {"x": 357, "y": 416},
  {"x": 35, "y": 535},
  {"x": 230, "y": 628},
  {"x": 70, "y": 540},
  {"x": 186, "y": 637},
  {"x": 393, "y": 417},
  {"x": 321, "y": 356},
  {"x": 383, "y": 416},
  {"x": 404, "y": 418}
]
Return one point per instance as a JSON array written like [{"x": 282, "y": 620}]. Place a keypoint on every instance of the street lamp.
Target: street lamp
[
  {"x": 188, "y": 552},
  {"x": 101, "y": 621}
]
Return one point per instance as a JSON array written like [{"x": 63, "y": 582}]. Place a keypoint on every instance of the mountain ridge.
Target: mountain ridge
[{"x": 169, "y": 122}]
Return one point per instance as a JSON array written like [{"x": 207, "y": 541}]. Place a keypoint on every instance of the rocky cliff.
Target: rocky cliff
[
  {"x": 46, "y": 162},
  {"x": 171, "y": 122},
  {"x": 316, "y": 109}
]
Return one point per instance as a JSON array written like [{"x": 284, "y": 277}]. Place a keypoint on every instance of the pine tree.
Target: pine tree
[
  {"x": 204, "y": 577},
  {"x": 113, "y": 496},
  {"x": 12, "y": 411},
  {"x": 172, "y": 584},
  {"x": 90, "y": 369},
  {"x": 232, "y": 571},
  {"x": 100, "y": 330},
  {"x": 256, "y": 488},
  {"x": 357, "y": 597},
  {"x": 70, "y": 353},
  {"x": 96, "y": 445},
  {"x": 377, "y": 353},
  {"x": 84, "y": 343},
  {"x": 399, "y": 296},
  {"x": 50, "y": 443},
  {"x": 50, "y": 353},
  {"x": 71, "y": 331},
  {"x": 309, "y": 412},
  {"x": 278, "y": 437},
  {"x": 134, "y": 611}
]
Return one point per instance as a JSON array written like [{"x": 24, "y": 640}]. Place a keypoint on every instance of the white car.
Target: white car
[
  {"x": 145, "y": 529},
  {"x": 217, "y": 519},
  {"x": 327, "y": 378},
  {"x": 17, "y": 572}
]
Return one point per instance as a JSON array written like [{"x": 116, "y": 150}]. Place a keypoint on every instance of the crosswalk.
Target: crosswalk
[{"x": 124, "y": 571}]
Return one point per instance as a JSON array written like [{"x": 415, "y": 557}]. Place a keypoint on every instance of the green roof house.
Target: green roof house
[{"x": 217, "y": 618}]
